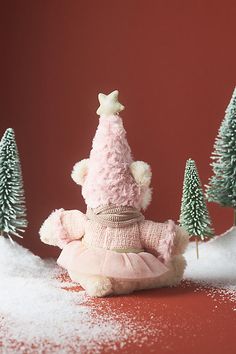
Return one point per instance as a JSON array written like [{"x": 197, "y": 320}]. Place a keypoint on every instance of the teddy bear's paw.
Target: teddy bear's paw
[
  {"x": 123, "y": 286},
  {"x": 171, "y": 278},
  {"x": 98, "y": 286},
  {"x": 75, "y": 277},
  {"x": 177, "y": 267},
  {"x": 51, "y": 231}
]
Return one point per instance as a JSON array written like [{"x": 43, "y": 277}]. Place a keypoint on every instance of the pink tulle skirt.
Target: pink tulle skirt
[{"x": 78, "y": 258}]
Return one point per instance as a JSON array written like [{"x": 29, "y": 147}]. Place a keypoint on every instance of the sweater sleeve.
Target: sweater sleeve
[
  {"x": 63, "y": 226},
  {"x": 158, "y": 238}
]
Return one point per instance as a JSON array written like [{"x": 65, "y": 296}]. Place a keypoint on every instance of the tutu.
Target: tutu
[{"x": 79, "y": 258}]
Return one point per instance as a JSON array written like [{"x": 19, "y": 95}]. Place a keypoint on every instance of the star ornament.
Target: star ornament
[{"x": 109, "y": 104}]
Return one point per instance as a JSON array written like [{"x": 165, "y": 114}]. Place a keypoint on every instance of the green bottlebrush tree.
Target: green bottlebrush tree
[
  {"x": 12, "y": 200},
  {"x": 194, "y": 215},
  {"x": 222, "y": 185}
]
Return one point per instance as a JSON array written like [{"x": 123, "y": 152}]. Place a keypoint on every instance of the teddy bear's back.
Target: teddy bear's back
[{"x": 97, "y": 235}]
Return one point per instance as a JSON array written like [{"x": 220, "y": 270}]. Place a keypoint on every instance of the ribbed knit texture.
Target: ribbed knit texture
[{"x": 97, "y": 235}]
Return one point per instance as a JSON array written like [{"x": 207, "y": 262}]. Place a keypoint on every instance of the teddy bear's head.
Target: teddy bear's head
[
  {"x": 110, "y": 176},
  {"x": 140, "y": 173}
]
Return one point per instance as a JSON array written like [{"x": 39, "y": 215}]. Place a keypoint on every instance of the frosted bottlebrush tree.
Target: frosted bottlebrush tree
[
  {"x": 194, "y": 216},
  {"x": 222, "y": 185},
  {"x": 12, "y": 200}
]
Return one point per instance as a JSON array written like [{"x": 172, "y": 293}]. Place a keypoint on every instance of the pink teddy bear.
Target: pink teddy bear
[{"x": 112, "y": 249}]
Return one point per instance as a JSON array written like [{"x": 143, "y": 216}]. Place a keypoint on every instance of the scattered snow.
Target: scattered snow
[{"x": 35, "y": 309}]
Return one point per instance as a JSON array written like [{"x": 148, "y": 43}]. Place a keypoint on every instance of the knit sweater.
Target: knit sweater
[
  {"x": 139, "y": 250},
  {"x": 156, "y": 238}
]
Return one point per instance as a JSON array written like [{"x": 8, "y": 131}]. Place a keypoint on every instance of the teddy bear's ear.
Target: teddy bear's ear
[
  {"x": 141, "y": 172},
  {"x": 80, "y": 171},
  {"x": 146, "y": 198}
]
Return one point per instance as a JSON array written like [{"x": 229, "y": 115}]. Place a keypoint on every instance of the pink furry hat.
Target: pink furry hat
[{"x": 110, "y": 176}]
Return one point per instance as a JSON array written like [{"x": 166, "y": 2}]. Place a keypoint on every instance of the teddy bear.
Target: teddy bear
[{"x": 112, "y": 249}]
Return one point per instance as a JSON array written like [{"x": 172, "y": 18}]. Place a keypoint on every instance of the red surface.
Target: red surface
[
  {"x": 190, "y": 321},
  {"x": 173, "y": 62}
]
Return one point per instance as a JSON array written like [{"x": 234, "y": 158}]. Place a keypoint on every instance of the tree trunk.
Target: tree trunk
[{"x": 197, "y": 250}]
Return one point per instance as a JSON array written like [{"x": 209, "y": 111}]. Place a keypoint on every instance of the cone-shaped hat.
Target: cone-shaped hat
[{"x": 109, "y": 180}]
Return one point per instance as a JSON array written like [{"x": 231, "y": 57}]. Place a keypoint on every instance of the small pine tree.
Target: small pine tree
[
  {"x": 194, "y": 215},
  {"x": 12, "y": 200},
  {"x": 222, "y": 185}
]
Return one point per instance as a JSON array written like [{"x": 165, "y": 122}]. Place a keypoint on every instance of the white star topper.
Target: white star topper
[{"x": 109, "y": 104}]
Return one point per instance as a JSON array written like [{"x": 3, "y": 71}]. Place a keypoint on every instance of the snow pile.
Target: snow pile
[
  {"x": 16, "y": 261},
  {"x": 35, "y": 311},
  {"x": 216, "y": 265}
]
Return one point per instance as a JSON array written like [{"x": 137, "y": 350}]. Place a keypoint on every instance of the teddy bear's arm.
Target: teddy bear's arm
[
  {"x": 158, "y": 238},
  {"x": 63, "y": 226}
]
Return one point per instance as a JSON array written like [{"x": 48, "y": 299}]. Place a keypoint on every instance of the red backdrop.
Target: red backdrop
[{"x": 173, "y": 62}]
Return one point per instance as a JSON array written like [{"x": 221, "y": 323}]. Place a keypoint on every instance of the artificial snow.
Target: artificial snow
[
  {"x": 216, "y": 267},
  {"x": 37, "y": 311},
  {"x": 217, "y": 261}
]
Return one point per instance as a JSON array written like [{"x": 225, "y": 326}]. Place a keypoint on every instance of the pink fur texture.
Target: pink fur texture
[{"x": 109, "y": 180}]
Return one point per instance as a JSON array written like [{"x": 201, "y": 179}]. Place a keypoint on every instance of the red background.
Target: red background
[{"x": 174, "y": 63}]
